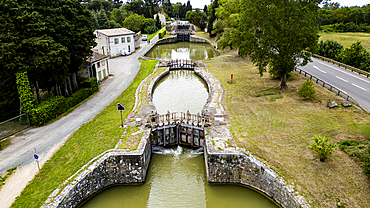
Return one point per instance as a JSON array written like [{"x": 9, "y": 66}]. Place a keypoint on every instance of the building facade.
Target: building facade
[
  {"x": 112, "y": 41},
  {"x": 96, "y": 66}
]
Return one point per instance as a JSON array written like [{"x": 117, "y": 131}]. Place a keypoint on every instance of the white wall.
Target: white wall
[{"x": 116, "y": 48}]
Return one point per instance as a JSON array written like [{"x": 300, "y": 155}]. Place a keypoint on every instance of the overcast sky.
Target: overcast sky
[{"x": 200, "y": 3}]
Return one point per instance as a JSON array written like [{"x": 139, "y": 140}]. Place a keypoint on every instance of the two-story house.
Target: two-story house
[{"x": 112, "y": 41}]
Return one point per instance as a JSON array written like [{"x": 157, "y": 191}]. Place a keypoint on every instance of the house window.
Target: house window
[
  {"x": 116, "y": 41},
  {"x": 123, "y": 40},
  {"x": 128, "y": 39},
  {"x": 103, "y": 63},
  {"x": 98, "y": 64}
]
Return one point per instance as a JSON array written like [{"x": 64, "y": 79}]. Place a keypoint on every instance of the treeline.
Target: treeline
[
  {"x": 134, "y": 15},
  {"x": 334, "y": 18},
  {"x": 355, "y": 55},
  {"x": 43, "y": 43}
]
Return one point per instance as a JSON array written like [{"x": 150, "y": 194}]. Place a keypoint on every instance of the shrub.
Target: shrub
[
  {"x": 48, "y": 110},
  {"x": 322, "y": 148},
  {"x": 162, "y": 33},
  {"x": 54, "y": 107},
  {"x": 329, "y": 49},
  {"x": 307, "y": 90}
]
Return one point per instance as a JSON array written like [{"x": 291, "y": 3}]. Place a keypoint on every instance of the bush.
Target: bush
[
  {"x": 322, "y": 148},
  {"x": 307, "y": 90},
  {"x": 329, "y": 49},
  {"x": 162, "y": 33},
  {"x": 54, "y": 107},
  {"x": 48, "y": 110}
]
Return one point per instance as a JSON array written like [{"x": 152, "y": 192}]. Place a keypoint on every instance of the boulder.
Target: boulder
[
  {"x": 332, "y": 104},
  {"x": 346, "y": 104}
]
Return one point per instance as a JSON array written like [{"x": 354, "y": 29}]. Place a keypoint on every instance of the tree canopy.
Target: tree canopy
[
  {"x": 274, "y": 33},
  {"x": 197, "y": 18}
]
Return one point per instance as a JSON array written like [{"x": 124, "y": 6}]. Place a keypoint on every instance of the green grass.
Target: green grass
[
  {"x": 279, "y": 129},
  {"x": 91, "y": 139},
  {"x": 347, "y": 39},
  {"x": 4, "y": 144}
]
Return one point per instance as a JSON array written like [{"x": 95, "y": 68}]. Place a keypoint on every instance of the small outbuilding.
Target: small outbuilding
[{"x": 96, "y": 66}]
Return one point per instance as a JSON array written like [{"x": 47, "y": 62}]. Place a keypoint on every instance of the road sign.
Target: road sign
[
  {"x": 36, "y": 156},
  {"x": 120, "y": 107}
]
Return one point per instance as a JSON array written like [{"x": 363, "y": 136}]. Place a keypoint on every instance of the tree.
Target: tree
[
  {"x": 307, "y": 90},
  {"x": 197, "y": 18},
  {"x": 212, "y": 16},
  {"x": 329, "y": 49},
  {"x": 134, "y": 22},
  {"x": 118, "y": 15},
  {"x": 322, "y": 147},
  {"x": 356, "y": 56},
  {"x": 205, "y": 9},
  {"x": 274, "y": 33},
  {"x": 148, "y": 26},
  {"x": 94, "y": 20},
  {"x": 103, "y": 19}
]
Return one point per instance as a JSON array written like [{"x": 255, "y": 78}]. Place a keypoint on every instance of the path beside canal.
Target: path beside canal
[{"x": 48, "y": 139}]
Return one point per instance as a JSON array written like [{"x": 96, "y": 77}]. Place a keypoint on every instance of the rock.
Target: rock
[
  {"x": 346, "y": 104},
  {"x": 332, "y": 104}
]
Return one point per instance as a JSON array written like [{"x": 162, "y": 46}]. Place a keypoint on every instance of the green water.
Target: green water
[
  {"x": 182, "y": 50},
  {"x": 177, "y": 178},
  {"x": 180, "y": 91}
]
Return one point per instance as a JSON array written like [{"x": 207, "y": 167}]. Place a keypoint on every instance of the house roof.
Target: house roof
[
  {"x": 115, "y": 32},
  {"x": 96, "y": 57}
]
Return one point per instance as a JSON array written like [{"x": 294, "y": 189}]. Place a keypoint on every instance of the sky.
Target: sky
[{"x": 200, "y": 3}]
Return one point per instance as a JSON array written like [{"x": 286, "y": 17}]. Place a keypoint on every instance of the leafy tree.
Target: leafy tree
[
  {"x": 274, "y": 33},
  {"x": 331, "y": 6},
  {"x": 212, "y": 16},
  {"x": 118, "y": 15},
  {"x": 307, "y": 90},
  {"x": 113, "y": 24},
  {"x": 148, "y": 26},
  {"x": 356, "y": 56},
  {"x": 134, "y": 22},
  {"x": 329, "y": 49},
  {"x": 157, "y": 22},
  {"x": 167, "y": 8},
  {"x": 94, "y": 20},
  {"x": 103, "y": 19},
  {"x": 135, "y": 7},
  {"x": 205, "y": 9},
  {"x": 197, "y": 18},
  {"x": 322, "y": 147}
]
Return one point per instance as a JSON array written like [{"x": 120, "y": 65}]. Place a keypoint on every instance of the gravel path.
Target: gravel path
[{"x": 48, "y": 139}]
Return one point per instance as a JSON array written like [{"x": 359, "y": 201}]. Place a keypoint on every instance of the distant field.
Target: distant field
[{"x": 346, "y": 39}]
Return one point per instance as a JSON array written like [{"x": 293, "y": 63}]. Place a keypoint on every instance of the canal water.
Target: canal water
[
  {"x": 177, "y": 176},
  {"x": 182, "y": 50}
]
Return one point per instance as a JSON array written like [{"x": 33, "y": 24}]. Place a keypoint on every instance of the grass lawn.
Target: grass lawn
[
  {"x": 91, "y": 139},
  {"x": 346, "y": 39},
  {"x": 279, "y": 128}
]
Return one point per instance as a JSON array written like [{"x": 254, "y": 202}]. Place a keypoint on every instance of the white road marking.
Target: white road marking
[
  {"x": 359, "y": 87},
  {"x": 345, "y": 72},
  {"x": 319, "y": 69},
  {"x": 341, "y": 79}
]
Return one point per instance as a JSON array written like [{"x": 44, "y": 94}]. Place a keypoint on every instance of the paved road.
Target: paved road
[
  {"x": 45, "y": 138},
  {"x": 353, "y": 84}
]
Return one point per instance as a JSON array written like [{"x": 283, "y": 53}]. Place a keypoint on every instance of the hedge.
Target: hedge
[
  {"x": 56, "y": 106},
  {"x": 162, "y": 33}
]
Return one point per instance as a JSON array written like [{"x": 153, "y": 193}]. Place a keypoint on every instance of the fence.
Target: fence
[
  {"x": 330, "y": 87},
  {"x": 14, "y": 125}
]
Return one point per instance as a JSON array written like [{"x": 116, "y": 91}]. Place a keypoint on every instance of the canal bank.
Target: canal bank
[{"x": 224, "y": 162}]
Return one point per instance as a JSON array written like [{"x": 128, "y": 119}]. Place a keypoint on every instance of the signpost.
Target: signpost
[
  {"x": 120, "y": 108},
  {"x": 37, "y": 159}
]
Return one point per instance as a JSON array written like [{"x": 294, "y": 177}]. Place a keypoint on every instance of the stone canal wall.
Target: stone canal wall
[
  {"x": 228, "y": 164},
  {"x": 110, "y": 168},
  {"x": 193, "y": 39}
]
